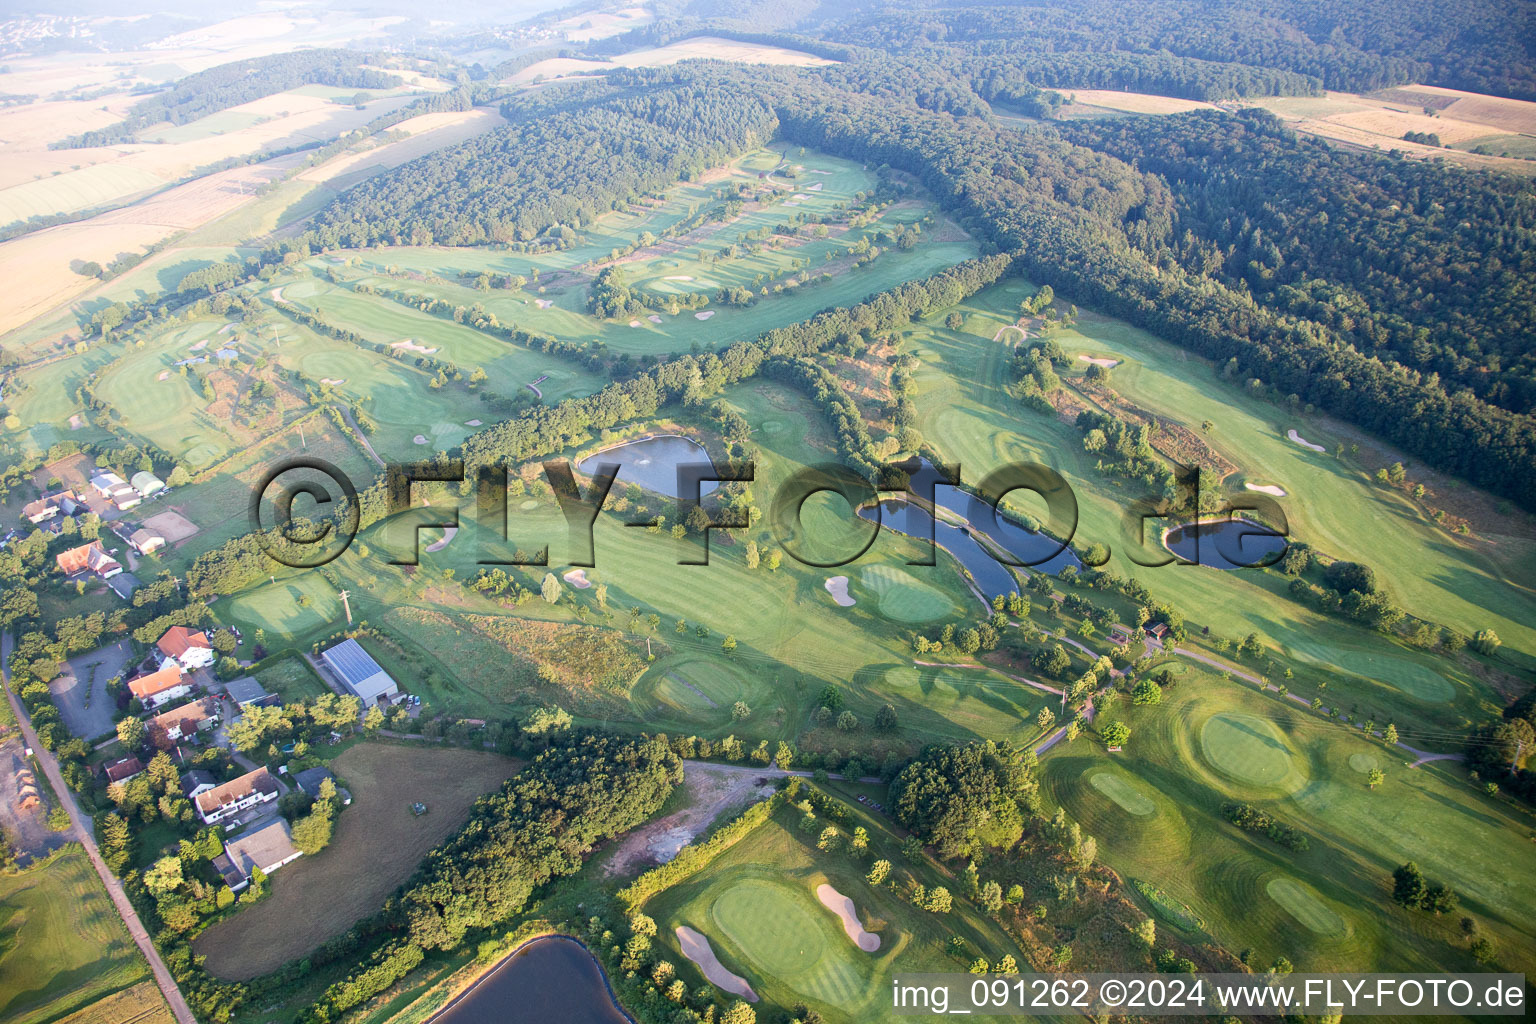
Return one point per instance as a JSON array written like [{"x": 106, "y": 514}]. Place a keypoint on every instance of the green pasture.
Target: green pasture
[
  {"x": 1327, "y": 908},
  {"x": 510, "y": 368},
  {"x": 565, "y": 296},
  {"x": 1519, "y": 146},
  {"x": 698, "y": 687},
  {"x": 171, "y": 412},
  {"x": 62, "y": 945},
  {"x": 757, "y": 906},
  {"x": 300, "y": 606}
]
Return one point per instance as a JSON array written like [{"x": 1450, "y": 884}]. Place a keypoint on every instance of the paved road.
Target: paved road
[{"x": 81, "y": 831}]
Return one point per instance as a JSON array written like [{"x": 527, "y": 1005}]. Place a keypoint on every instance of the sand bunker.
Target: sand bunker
[
  {"x": 678, "y": 277},
  {"x": 411, "y": 346},
  {"x": 419, "y": 439},
  {"x": 1303, "y": 441},
  {"x": 837, "y": 586},
  {"x": 653, "y": 318},
  {"x": 472, "y": 423},
  {"x": 544, "y": 303},
  {"x": 814, "y": 188},
  {"x": 1106, "y": 363},
  {"x": 801, "y": 196},
  {"x": 843, "y": 907},
  {"x": 75, "y": 422},
  {"x": 332, "y": 381},
  {"x": 200, "y": 345},
  {"x": 226, "y": 328},
  {"x": 634, "y": 323},
  {"x": 697, "y": 948},
  {"x": 277, "y": 294},
  {"x": 1278, "y": 492},
  {"x": 704, "y": 315},
  {"x": 164, "y": 375},
  {"x": 449, "y": 532},
  {"x": 578, "y": 579}
]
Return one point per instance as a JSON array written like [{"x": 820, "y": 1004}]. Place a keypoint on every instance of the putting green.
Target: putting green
[
  {"x": 777, "y": 929},
  {"x": 903, "y": 598},
  {"x": 1123, "y": 793},
  {"x": 1247, "y": 749},
  {"x": 1363, "y": 763},
  {"x": 1307, "y": 907},
  {"x": 699, "y": 684}
]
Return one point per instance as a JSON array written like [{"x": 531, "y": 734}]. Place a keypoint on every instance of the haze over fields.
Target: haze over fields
[{"x": 1113, "y": 551}]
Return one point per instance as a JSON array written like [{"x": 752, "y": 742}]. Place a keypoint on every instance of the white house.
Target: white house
[
  {"x": 224, "y": 802},
  {"x": 189, "y": 648}
]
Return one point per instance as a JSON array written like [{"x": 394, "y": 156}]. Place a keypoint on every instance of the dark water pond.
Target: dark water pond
[
  {"x": 549, "y": 980},
  {"x": 651, "y": 462},
  {"x": 1035, "y": 550},
  {"x": 1226, "y": 544}
]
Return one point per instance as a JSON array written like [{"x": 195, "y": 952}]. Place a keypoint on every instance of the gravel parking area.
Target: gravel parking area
[{"x": 81, "y": 689}]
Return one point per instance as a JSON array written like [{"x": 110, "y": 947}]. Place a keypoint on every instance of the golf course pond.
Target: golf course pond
[
  {"x": 1038, "y": 551},
  {"x": 652, "y": 462},
  {"x": 549, "y": 979},
  {"x": 1226, "y": 543}
]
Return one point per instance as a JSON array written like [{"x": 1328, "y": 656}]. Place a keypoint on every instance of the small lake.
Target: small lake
[
  {"x": 549, "y": 979},
  {"x": 1226, "y": 543},
  {"x": 651, "y": 463},
  {"x": 1037, "y": 550}
]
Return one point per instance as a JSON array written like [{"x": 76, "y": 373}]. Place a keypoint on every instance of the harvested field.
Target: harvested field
[
  {"x": 1393, "y": 124},
  {"x": 715, "y": 48},
  {"x": 1517, "y": 116},
  {"x": 1134, "y": 102},
  {"x": 377, "y": 844},
  {"x": 426, "y": 133}
]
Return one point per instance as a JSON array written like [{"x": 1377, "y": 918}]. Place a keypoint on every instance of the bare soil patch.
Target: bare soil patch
[{"x": 710, "y": 792}]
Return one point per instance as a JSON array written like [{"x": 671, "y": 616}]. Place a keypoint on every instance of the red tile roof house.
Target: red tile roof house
[
  {"x": 187, "y": 647},
  {"x": 181, "y": 723},
  {"x": 161, "y": 686},
  {"x": 122, "y": 771},
  {"x": 90, "y": 557},
  {"x": 249, "y": 790}
]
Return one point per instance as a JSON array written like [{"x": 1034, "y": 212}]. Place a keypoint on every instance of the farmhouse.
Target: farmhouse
[
  {"x": 145, "y": 540},
  {"x": 161, "y": 686},
  {"x": 358, "y": 671},
  {"x": 115, "y": 489},
  {"x": 183, "y": 722},
  {"x": 223, "y": 802},
  {"x": 50, "y": 505},
  {"x": 123, "y": 770},
  {"x": 146, "y": 483},
  {"x": 188, "y": 648},
  {"x": 90, "y": 557},
  {"x": 246, "y": 690},
  {"x": 267, "y": 848}
]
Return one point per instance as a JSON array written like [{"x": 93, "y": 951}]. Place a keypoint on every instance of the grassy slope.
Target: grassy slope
[
  {"x": 778, "y": 855},
  {"x": 964, "y": 410},
  {"x": 1253, "y": 893},
  {"x": 62, "y": 945}
]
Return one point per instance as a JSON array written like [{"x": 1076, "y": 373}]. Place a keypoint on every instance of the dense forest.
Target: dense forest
[
  {"x": 566, "y": 167},
  {"x": 1106, "y": 215},
  {"x": 229, "y": 85},
  {"x": 1408, "y": 260}
]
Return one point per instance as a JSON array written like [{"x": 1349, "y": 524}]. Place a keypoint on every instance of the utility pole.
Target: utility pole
[{"x": 345, "y": 604}]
